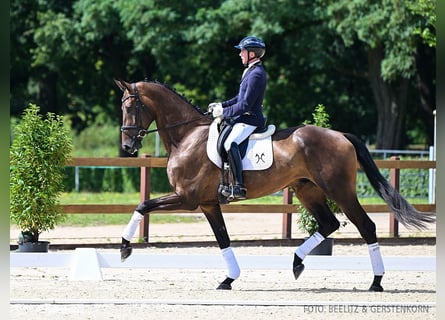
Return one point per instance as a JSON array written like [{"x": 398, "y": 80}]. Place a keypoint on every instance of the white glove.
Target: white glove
[
  {"x": 217, "y": 110},
  {"x": 212, "y": 106}
]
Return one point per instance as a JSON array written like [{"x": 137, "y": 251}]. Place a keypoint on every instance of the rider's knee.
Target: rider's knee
[{"x": 228, "y": 145}]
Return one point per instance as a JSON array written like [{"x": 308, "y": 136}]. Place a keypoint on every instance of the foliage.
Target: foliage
[
  {"x": 426, "y": 26},
  {"x": 320, "y": 116},
  {"x": 392, "y": 35},
  {"x": 413, "y": 184},
  {"x": 316, "y": 51},
  {"x": 113, "y": 179},
  {"x": 38, "y": 155},
  {"x": 306, "y": 221},
  {"x": 101, "y": 140},
  {"x": 384, "y": 22}
]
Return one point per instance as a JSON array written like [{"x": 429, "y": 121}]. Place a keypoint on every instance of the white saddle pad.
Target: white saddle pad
[{"x": 259, "y": 154}]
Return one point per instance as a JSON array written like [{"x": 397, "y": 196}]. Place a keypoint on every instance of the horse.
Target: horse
[{"x": 317, "y": 163}]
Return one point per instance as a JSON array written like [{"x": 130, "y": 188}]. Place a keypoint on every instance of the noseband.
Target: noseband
[{"x": 141, "y": 131}]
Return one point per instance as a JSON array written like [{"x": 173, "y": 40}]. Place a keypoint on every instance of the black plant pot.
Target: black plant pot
[
  {"x": 39, "y": 246},
  {"x": 324, "y": 248}
]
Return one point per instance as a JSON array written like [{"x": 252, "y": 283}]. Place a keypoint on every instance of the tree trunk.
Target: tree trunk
[
  {"x": 425, "y": 82},
  {"x": 47, "y": 98},
  {"x": 391, "y": 100}
]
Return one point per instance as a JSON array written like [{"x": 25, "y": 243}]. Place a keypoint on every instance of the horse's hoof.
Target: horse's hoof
[
  {"x": 376, "y": 288},
  {"x": 298, "y": 270},
  {"x": 126, "y": 250},
  {"x": 224, "y": 286}
]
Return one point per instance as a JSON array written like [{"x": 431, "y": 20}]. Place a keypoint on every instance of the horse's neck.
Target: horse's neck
[{"x": 175, "y": 118}]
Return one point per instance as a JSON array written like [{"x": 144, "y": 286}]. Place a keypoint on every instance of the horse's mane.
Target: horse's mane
[{"x": 173, "y": 90}]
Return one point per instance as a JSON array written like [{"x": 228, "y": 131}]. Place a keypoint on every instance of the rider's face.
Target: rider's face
[{"x": 244, "y": 54}]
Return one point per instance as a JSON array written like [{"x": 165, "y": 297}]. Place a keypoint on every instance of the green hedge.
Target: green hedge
[
  {"x": 413, "y": 182},
  {"x": 110, "y": 179}
]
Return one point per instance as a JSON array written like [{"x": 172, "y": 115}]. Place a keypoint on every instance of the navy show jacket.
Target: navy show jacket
[{"x": 246, "y": 106}]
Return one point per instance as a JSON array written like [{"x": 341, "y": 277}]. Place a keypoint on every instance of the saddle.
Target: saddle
[
  {"x": 226, "y": 127},
  {"x": 256, "y": 152}
]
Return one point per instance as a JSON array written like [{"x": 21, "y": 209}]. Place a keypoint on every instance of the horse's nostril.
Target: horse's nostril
[{"x": 128, "y": 149}]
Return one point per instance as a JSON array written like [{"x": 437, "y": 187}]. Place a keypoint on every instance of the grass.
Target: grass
[
  {"x": 130, "y": 198},
  {"x": 133, "y": 198},
  {"x": 114, "y": 219},
  {"x": 90, "y": 220}
]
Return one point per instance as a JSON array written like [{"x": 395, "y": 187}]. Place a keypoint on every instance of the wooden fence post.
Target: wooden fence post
[
  {"x": 286, "y": 232},
  {"x": 145, "y": 190},
  {"x": 394, "y": 179}
]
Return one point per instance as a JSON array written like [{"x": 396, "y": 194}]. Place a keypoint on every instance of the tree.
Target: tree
[
  {"x": 389, "y": 32},
  {"x": 299, "y": 62},
  {"x": 66, "y": 54}
]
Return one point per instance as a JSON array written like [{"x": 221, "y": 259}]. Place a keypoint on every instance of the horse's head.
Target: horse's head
[{"x": 135, "y": 117}]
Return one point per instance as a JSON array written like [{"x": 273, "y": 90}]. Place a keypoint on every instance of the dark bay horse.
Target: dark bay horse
[{"x": 318, "y": 163}]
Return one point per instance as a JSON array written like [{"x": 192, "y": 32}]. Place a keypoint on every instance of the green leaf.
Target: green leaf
[{"x": 38, "y": 156}]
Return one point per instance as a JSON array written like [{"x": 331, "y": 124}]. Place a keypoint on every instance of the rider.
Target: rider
[{"x": 245, "y": 108}]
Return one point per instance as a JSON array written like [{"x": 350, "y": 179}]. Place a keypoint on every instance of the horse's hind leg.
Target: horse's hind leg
[
  {"x": 216, "y": 220},
  {"x": 357, "y": 215},
  {"x": 314, "y": 200}
]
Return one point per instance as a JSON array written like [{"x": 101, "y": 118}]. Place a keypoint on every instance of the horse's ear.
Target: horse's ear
[{"x": 122, "y": 84}]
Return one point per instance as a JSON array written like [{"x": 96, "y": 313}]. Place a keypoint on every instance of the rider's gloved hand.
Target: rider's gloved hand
[
  {"x": 212, "y": 106},
  {"x": 217, "y": 110}
]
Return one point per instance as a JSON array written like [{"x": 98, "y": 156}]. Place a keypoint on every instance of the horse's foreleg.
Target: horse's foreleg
[
  {"x": 128, "y": 233},
  {"x": 216, "y": 221},
  {"x": 168, "y": 202}
]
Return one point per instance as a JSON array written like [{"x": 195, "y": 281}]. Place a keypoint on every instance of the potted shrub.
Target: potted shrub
[
  {"x": 40, "y": 149},
  {"x": 306, "y": 221}
]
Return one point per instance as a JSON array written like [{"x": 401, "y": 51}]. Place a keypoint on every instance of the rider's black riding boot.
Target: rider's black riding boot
[{"x": 239, "y": 190}]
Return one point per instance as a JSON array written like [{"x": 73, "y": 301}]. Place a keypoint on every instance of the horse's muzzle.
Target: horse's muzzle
[
  {"x": 133, "y": 148},
  {"x": 128, "y": 149}
]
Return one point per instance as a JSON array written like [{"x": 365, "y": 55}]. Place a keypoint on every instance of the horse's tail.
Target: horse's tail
[{"x": 404, "y": 212}]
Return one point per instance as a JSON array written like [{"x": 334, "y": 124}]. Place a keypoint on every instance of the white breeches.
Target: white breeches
[{"x": 238, "y": 134}]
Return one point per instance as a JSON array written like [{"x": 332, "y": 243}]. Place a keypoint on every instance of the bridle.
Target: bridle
[{"x": 141, "y": 131}]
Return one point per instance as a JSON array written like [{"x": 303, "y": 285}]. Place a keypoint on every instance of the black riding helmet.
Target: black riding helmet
[{"x": 253, "y": 44}]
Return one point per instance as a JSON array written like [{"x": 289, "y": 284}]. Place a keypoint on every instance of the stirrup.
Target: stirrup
[
  {"x": 239, "y": 192},
  {"x": 224, "y": 190}
]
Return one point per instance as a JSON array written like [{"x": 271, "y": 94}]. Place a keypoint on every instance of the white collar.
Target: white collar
[
  {"x": 253, "y": 63},
  {"x": 250, "y": 66}
]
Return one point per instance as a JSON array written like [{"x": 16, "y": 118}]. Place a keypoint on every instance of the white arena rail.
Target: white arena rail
[{"x": 86, "y": 263}]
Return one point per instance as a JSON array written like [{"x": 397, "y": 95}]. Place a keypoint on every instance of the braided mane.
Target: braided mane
[{"x": 173, "y": 90}]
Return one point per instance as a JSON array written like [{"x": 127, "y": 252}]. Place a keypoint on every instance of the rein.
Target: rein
[
  {"x": 176, "y": 124},
  {"x": 142, "y": 132}
]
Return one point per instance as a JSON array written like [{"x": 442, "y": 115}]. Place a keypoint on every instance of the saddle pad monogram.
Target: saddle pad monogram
[{"x": 259, "y": 155}]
